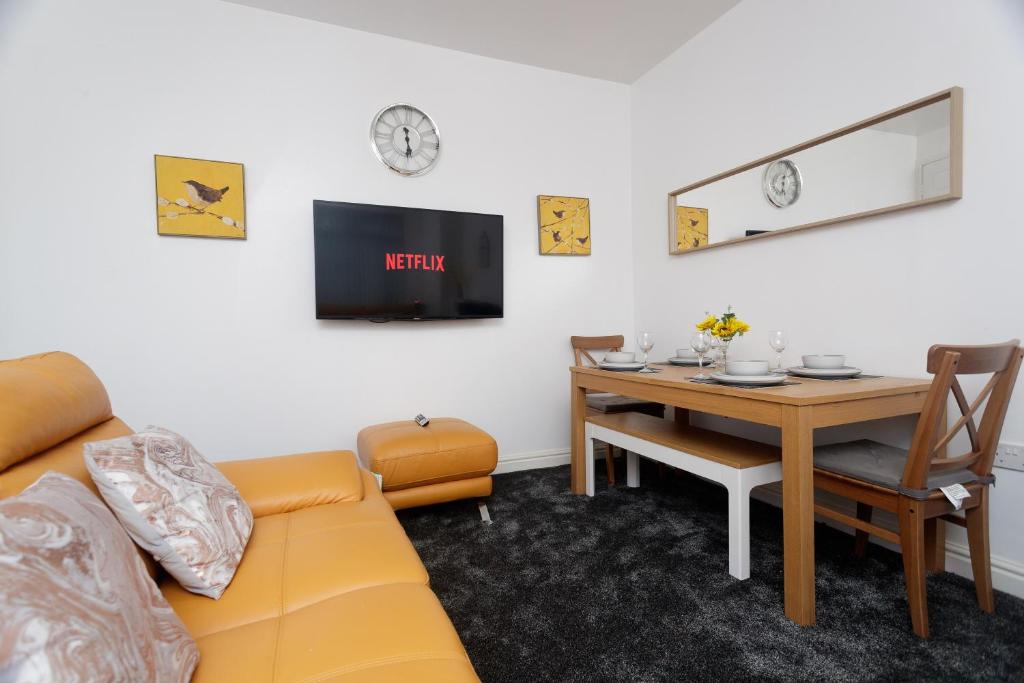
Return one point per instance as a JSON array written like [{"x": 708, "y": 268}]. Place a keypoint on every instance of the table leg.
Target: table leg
[
  {"x": 798, "y": 512},
  {"x": 578, "y": 414}
]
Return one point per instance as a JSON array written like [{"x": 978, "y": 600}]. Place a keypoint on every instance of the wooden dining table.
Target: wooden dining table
[{"x": 797, "y": 409}]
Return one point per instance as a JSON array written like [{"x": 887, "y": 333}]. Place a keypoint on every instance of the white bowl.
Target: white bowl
[
  {"x": 619, "y": 357},
  {"x": 824, "y": 362},
  {"x": 686, "y": 353},
  {"x": 746, "y": 367}
]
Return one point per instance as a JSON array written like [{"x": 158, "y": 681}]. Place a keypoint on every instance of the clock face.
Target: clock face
[
  {"x": 405, "y": 139},
  {"x": 782, "y": 183}
]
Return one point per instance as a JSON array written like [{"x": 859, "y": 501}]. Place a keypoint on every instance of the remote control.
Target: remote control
[{"x": 422, "y": 421}]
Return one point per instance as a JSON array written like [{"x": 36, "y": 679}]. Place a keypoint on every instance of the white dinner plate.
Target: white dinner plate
[
  {"x": 756, "y": 380},
  {"x": 681, "y": 360},
  {"x": 604, "y": 365},
  {"x": 801, "y": 371}
]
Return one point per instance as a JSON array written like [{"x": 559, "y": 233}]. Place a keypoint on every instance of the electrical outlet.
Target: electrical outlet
[{"x": 1010, "y": 456}]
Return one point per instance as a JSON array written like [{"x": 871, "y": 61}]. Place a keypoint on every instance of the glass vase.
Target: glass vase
[{"x": 723, "y": 353}]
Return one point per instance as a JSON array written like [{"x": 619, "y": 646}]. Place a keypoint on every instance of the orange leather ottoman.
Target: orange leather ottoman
[{"x": 447, "y": 460}]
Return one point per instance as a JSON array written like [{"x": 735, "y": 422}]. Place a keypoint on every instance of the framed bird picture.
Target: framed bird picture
[
  {"x": 691, "y": 229},
  {"x": 199, "y": 198},
  {"x": 564, "y": 225}
]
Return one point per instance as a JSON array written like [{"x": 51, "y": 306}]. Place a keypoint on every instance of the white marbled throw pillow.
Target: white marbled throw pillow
[
  {"x": 175, "y": 504},
  {"x": 76, "y": 603}
]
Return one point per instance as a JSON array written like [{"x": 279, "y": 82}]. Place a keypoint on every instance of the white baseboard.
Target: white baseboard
[
  {"x": 1007, "y": 574},
  {"x": 534, "y": 460}
]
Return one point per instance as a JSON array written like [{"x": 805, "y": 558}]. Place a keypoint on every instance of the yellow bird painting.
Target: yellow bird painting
[
  {"x": 199, "y": 198},
  {"x": 691, "y": 228},
  {"x": 564, "y": 225}
]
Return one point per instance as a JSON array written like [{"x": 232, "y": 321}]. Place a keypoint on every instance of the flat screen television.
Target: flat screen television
[{"x": 397, "y": 263}]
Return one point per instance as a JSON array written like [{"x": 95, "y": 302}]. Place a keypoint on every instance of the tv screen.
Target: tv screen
[{"x": 396, "y": 263}]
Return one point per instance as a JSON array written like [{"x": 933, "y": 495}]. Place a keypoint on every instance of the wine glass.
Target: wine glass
[
  {"x": 716, "y": 350},
  {"x": 701, "y": 344},
  {"x": 645, "y": 341},
  {"x": 777, "y": 340}
]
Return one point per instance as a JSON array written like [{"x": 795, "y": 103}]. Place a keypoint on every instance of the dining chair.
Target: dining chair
[
  {"x": 907, "y": 483},
  {"x": 609, "y": 403}
]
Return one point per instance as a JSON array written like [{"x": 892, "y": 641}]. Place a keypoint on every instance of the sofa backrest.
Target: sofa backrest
[{"x": 51, "y": 405}]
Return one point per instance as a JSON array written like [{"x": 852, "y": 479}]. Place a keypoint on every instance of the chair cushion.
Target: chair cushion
[
  {"x": 175, "y": 504},
  {"x": 612, "y": 403},
  {"x": 882, "y": 465},
  {"x": 75, "y": 600}
]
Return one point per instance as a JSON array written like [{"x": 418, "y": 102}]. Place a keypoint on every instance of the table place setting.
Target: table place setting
[
  {"x": 830, "y": 366},
  {"x": 746, "y": 373},
  {"x": 625, "y": 361},
  {"x": 685, "y": 358}
]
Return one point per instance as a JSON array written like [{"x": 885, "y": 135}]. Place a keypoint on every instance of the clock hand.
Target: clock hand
[{"x": 408, "y": 148}]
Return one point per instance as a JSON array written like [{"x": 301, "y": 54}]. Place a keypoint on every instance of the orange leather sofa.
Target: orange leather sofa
[{"x": 329, "y": 587}]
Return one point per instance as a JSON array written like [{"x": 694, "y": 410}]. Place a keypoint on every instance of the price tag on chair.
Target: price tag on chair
[{"x": 956, "y": 494}]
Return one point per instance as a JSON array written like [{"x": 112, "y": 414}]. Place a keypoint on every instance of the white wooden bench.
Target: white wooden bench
[{"x": 737, "y": 464}]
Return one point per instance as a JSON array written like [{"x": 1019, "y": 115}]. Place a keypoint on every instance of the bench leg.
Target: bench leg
[
  {"x": 739, "y": 528},
  {"x": 588, "y": 442},
  {"x": 632, "y": 469}
]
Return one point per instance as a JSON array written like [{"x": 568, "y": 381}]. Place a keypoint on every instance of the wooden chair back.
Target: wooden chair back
[
  {"x": 927, "y": 454},
  {"x": 582, "y": 346}
]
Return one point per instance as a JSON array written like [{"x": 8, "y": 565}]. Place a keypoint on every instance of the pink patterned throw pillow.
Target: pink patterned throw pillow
[
  {"x": 175, "y": 504},
  {"x": 76, "y": 603}
]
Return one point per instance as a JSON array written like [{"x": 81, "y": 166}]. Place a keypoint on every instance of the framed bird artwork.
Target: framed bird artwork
[
  {"x": 564, "y": 225},
  {"x": 199, "y": 198},
  {"x": 691, "y": 229}
]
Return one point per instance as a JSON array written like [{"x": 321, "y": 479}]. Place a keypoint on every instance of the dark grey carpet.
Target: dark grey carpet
[{"x": 632, "y": 585}]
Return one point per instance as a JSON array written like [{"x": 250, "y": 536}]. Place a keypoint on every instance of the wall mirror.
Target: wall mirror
[{"x": 903, "y": 158}]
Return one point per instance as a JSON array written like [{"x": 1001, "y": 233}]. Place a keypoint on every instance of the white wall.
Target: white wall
[
  {"x": 217, "y": 339},
  {"x": 880, "y": 290}
]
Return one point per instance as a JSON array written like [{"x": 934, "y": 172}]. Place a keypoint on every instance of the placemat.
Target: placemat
[
  {"x": 787, "y": 383},
  {"x": 840, "y": 379}
]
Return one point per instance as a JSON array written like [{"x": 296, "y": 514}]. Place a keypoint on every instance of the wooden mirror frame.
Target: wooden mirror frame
[{"x": 955, "y": 95}]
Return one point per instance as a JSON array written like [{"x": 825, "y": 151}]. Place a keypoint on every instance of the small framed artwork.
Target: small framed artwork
[
  {"x": 199, "y": 198},
  {"x": 564, "y": 225},
  {"x": 691, "y": 229}
]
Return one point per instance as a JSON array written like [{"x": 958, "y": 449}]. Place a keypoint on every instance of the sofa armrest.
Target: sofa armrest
[{"x": 291, "y": 482}]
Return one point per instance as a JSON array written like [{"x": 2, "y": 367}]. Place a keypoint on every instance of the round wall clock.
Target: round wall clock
[
  {"x": 782, "y": 183},
  {"x": 405, "y": 139}
]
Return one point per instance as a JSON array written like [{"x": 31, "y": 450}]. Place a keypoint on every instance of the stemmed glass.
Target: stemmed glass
[
  {"x": 777, "y": 340},
  {"x": 701, "y": 344},
  {"x": 645, "y": 340}
]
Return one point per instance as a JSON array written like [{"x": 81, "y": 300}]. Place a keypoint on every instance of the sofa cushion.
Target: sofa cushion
[
  {"x": 299, "y": 558},
  {"x": 396, "y": 632},
  {"x": 75, "y": 600},
  {"x": 53, "y": 397},
  {"x": 175, "y": 504},
  {"x": 407, "y": 455},
  {"x": 292, "y": 482}
]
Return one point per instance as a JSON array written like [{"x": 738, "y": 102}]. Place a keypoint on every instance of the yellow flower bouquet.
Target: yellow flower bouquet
[{"x": 726, "y": 327}]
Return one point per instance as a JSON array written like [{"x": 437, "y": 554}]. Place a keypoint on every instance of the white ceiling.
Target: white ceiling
[{"x": 617, "y": 40}]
